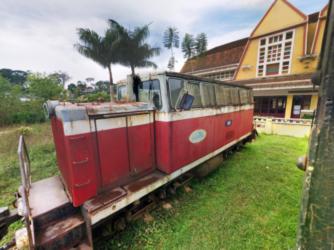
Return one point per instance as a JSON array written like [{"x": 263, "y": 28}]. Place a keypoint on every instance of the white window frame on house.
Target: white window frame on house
[
  {"x": 221, "y": 75},
  {"x": 276, "y": 58}
]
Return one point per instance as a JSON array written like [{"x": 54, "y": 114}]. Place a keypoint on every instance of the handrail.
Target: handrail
[
  {"x": 24, "y": 164},
  {"x": 24, "y": 160}
]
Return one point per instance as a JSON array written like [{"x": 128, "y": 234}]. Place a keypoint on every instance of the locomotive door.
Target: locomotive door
[
  {"x": 140, "y": 133},
  {"x": 125, "y": 146}
]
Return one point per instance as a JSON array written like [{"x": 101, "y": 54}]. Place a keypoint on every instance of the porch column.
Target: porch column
[
  {"x": 314, "y": 102},
  {"x": 288, "y": 107}
]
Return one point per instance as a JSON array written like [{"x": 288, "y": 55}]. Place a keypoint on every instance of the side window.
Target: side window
[
  {"x": 244, "y": 97},
  {"x": 223, "y": 95},
  {"x": 208, "y": 95},
  {"x": 235, "y": 96},
  {"x": 121, "y": 93},
  {"x": 193, "y": 88},
  {"x": 251, "y": 97},
  {"x": 149, "y": 91},
  {"x": 176, "y": 91}
]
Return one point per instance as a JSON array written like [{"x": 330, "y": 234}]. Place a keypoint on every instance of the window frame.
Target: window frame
[
  {"x": 210, "y": 85},
  {"x": 160, "y": 95},
  {"x": 169, "y": 93},
  {"x": 263, "y": 65},
  {"x": 221, "y": 75},
  {"x": 200, "y": 93}
]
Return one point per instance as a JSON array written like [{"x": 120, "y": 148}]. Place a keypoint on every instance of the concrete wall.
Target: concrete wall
[{"x": 281, "y": 126}]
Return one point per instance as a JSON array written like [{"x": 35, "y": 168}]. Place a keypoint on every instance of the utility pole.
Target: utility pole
[{"x": 316, "y": 227}]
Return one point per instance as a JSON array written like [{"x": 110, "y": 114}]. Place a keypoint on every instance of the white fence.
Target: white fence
[{"x": 282, "y": 126}]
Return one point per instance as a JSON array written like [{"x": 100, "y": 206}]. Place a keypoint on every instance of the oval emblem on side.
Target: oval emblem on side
[
  {"x": 228, "y": 123},
  {"x": 197, "y": 136}
]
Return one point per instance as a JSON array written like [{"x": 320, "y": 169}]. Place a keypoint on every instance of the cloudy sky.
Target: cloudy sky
[{"x": 38, "y": 35}]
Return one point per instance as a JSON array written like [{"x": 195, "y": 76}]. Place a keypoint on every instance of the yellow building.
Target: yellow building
[{"x": 278, "y": 60}]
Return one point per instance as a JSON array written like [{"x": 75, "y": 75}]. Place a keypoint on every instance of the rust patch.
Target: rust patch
[
  {"x": 104, "y": 199},
  {"x": 58, "y": 229},
  {"x": 142, "y": 183}
]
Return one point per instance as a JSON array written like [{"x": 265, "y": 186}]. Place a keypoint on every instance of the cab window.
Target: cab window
[
  {"x": 244, "y": 97},
  {"x": 223, "y": 95},
  {"x": 121, "y": 93},
  {"x": 149, "y": 91},
  {"x": 176, "y": 91},
  {"x": 193, "y": 88},
  {"x": 208, "y": 95}
]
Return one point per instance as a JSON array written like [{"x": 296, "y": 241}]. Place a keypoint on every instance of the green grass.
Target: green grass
[
  {"x": 43, "y": 162},
  {"x": 251, "y": 202}
]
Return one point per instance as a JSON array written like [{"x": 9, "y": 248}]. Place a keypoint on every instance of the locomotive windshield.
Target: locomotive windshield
[
  {"x": 149, "y": 91},
  {"x": 121, "y": 92}
]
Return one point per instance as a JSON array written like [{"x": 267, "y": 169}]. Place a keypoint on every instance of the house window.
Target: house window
[
  {"x": 275, "y": 54},
  {"x": 221, "y": 76},
  {"x": 272, "y": 69},
  {"x": 270, "y": 106}
]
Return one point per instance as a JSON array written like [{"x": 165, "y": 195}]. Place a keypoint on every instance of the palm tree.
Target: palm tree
[
  {"x": 188, "y": 46},
  {"x": 134, "y": 51},
  {"x": 171, "y": 40},
  {"x": 201, "y": 43},
  {"x": 101, "y": 49}
]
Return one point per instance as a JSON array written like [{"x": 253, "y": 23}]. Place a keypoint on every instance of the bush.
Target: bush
[
  {"x": 23, "y": 106},
  {"x": 14, "y": 111},
  {"x": 24, "y": 130},
  {"x": 94, "y": 97}
]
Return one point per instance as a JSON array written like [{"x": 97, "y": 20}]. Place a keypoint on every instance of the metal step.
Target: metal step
[
  {"x": 83, "y": 246},
  {"x": 65, "y": 233}
]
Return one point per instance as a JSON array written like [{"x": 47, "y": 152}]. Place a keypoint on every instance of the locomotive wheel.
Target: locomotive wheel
[
  {"x": 120, "y": 224},
  {"x": 208, "y": 167}
]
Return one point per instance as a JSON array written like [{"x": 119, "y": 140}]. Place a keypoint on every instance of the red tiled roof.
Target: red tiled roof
[
  {"x": 224, "y": 55},
  {"x": 277, "y": 81}
]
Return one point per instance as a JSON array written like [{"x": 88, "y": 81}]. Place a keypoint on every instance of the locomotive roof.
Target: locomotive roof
[
  {"x": 81, "y": 111},
  {"x": 197, "y": 78}
]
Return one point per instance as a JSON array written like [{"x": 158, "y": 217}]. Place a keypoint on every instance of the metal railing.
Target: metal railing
[
  {"x": 24, "y": 161},
  {"x": 24, "y": 164}
]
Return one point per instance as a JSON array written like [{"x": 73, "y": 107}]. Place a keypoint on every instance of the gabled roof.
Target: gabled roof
[
  {"x": 224, "y": 55},
  {"x": 289, "y": 8},
  {"x": 324, "y": 11}
]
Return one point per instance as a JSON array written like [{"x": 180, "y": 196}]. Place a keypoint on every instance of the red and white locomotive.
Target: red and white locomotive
[{"x": 111, "y": 155}]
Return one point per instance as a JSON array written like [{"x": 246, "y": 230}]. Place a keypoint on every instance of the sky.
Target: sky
[{"x": 38, "y": 35}]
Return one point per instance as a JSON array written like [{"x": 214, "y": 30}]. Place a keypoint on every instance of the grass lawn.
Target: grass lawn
[{"x": 251, "y": 202}]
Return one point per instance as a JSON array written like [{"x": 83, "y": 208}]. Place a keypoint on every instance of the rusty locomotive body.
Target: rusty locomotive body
[{"x": 111, "y": 156}]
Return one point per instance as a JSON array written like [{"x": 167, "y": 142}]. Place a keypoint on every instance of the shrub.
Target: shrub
[{"x": 24, "y": 130}]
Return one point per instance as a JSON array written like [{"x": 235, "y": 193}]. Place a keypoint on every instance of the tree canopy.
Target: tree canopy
[
  {"x": 45, "y": 87},
  {"x": 101, "y": 49},
  {"x": 171, "y": 40},
  {"x": 201, "y": 43},
  {"x": 188, "y": 46},
  {"x": 134, "y": 51},
  {"x": 194, "y": 46},
  {"x": 14, "y": 76}
]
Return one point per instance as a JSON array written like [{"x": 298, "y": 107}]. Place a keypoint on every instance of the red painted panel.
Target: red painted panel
[
  {"x": 163, "y": 133},
  {"x": 76, "y": 161},
  {"x": 183, "y": 150},
  {"x": 62, "y": 156},
  {"x": 141, "y": 148},
  {"x": 175, "y": 150},
  {"x": 113, "y": 153},
  {"x": 83, "y": 167}
]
